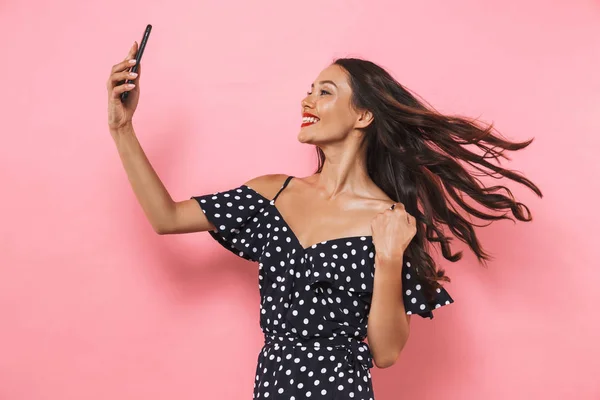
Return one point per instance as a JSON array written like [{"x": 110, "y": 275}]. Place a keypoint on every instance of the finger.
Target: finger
[
  {"x": 128, "y": 62},
  {"x": 123, "y": 65},
  {"x": 120, "y": 78},
  {"x": 132, "y": 52},
  {"x": 117, "y": 90}
]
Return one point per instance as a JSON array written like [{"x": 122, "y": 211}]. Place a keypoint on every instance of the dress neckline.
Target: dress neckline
[{"x": 304, "y": 248}]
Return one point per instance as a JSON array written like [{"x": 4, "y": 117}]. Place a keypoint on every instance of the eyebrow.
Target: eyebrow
[{"x": 323, "y": 82}]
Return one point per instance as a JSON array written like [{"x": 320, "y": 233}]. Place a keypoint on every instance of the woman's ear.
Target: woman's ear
[{"x": 364, "y": 119}]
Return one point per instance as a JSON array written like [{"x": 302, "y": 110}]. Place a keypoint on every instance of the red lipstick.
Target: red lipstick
[{"x": 308, "y": 119}]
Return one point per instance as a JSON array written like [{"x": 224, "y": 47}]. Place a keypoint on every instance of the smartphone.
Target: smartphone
[{"x": 138, "y": 58}]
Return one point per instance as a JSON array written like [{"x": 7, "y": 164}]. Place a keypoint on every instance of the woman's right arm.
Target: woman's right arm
[{"x": 165, "y": 215}]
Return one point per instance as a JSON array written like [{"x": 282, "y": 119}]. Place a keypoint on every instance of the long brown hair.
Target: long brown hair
[{"x": 414, "y": 154}]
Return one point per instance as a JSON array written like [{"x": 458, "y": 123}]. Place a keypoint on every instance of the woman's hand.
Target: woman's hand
[
  {"x": 120, "y": 114},
  {"x": 392, "y": 232}
]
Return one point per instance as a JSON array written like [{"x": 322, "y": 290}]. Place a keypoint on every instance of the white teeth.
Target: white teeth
[{"x": 309, "y": 119}]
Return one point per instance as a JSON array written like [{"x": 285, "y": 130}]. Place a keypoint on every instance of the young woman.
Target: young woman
[{"x": 343, "y": 254}]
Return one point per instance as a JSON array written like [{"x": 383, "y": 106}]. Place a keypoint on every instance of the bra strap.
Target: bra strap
[{"x": 289, "y": 178}]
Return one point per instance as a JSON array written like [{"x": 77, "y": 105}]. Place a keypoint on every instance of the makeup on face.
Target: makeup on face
[{"x": 308, "y": 119}]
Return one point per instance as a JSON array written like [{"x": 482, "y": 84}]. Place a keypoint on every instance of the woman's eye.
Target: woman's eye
[{"x": 321, "y": 92}]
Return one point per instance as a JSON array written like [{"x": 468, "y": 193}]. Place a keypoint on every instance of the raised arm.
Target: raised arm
[{"x": 165, "y": 215}]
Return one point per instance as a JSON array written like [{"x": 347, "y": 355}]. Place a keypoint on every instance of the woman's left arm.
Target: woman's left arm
[{"x": 388, "y": 325}]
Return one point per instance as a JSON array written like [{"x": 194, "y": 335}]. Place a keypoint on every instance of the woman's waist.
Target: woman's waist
[{"x": 355, "y": 351}]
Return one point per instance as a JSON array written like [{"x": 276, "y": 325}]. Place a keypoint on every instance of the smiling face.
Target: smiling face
[{"x": 327, "y": 113}]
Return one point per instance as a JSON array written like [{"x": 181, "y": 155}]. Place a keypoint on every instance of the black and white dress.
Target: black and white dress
[{"x": 314, "y": 301}]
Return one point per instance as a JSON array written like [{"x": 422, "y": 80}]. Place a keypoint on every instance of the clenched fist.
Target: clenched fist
[{"x": 393, "y": 231}]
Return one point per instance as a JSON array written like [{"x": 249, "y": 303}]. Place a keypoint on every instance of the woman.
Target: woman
[{"x": 348, "y": 244}]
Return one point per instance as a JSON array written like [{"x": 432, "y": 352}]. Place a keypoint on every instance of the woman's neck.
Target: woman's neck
[{"x": 343, "y": 171}]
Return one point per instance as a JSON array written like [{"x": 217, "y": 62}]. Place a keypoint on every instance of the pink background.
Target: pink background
[{"x": 94, "y": 305}]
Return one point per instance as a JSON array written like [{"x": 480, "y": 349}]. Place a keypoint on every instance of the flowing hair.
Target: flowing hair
[{"x": 418, "y": 157}]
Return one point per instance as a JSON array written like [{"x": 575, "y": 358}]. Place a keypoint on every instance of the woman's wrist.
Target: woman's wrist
[{"x": 125, "y": 129}]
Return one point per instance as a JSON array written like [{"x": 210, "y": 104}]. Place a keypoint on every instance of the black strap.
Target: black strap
[{"x": 289, "y": 178}]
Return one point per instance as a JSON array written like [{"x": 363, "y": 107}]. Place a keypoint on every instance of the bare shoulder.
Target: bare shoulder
[
  {"x": 382, "y": 201},
  {"x": 267, "y": 185}
]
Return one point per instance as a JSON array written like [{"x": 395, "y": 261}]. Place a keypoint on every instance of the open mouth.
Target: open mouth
[{"x": 308, "y": 119}]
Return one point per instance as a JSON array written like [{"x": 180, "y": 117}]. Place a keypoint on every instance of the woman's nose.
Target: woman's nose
[{"x": 306, "y": 103}]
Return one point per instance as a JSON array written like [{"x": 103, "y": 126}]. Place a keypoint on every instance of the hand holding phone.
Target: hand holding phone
[
  {"x": 138, "y": 58},
  {"x": 121, "y": 85}
]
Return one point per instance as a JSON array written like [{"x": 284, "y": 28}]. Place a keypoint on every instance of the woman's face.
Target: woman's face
[{"x": 327, "y": 114}]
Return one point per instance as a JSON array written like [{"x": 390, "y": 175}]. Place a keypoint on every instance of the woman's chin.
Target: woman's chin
[{"x": 304, "y": 138}]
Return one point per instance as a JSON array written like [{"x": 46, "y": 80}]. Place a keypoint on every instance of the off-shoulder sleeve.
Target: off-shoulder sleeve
[
  {"x": 415, "y": 301},
  {"x": 235, "y": 215}
]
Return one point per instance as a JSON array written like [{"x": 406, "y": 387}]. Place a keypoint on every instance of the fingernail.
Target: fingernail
[
  {"x": 132, "y": 61},
  {"x": 130, "y": 85},
  {"x": 133, "y": 74}
]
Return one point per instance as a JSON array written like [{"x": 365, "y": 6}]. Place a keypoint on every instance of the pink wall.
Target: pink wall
[{"x": 94, "y": 305}]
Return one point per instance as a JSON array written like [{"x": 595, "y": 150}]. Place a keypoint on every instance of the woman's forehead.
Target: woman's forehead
[{"x": 333, "y": 74}]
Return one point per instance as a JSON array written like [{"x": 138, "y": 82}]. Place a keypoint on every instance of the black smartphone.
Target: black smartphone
[{"x": 138, "y": 58}]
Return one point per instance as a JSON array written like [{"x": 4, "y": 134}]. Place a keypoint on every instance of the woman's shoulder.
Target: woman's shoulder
[{"x": 267, "y": 185}]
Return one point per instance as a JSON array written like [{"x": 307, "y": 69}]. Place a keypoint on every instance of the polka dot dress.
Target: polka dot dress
[{"x": 314, "y": 303}]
